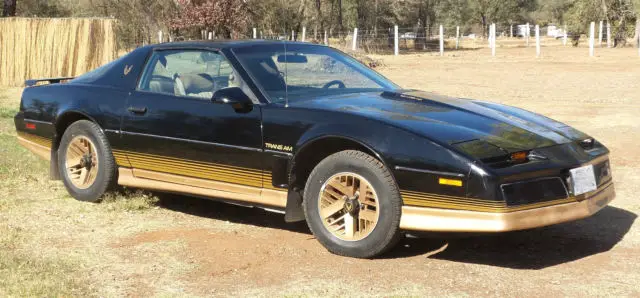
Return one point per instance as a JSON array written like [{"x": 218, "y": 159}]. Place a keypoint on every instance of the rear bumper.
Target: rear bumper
[{"x": 447, "y": 220}]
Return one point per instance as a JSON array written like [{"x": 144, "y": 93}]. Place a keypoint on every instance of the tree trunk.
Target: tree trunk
[
  {"x": 375, "y": 19},
  {"x": 340, "y": 24},
  {"x": 636, "y": 36},
  {"x": 319, "y": 18},
  {"x": 605, "y": 9},
  {"x": 9, "y": 9},
  {"x": 299, "y": 24}
]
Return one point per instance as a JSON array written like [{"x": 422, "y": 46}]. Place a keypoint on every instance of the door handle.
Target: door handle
[{"x": 137, "y": 110}]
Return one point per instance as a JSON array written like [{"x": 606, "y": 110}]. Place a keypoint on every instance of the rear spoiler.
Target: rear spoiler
[{"x": 31, "y": 83}]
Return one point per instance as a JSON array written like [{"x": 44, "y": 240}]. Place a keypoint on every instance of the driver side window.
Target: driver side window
[{"x": 188, "y": 73}]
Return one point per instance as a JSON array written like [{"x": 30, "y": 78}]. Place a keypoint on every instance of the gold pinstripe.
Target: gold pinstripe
[
  {"x": 121, "y": 158},
  {"x": 42, "y": 141},
  {"x": 138, "y": 161},
  {"x": 268, "y": 182},
  {"x": 189, "y": 161},
  {"x": 196, "y": 169},
  {"x": 458, "y": 203}
]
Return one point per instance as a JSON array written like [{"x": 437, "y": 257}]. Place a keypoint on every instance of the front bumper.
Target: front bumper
[{"x": 448, "y": 220}]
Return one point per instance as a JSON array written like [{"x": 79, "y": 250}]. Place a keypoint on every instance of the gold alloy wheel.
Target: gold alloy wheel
[
  {"x": 82, "y": 162},
  {"x": 348, "y": 206}
]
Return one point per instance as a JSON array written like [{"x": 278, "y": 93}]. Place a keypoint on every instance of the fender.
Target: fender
[
  {"x": 293, "y": 210},
  {"x": 332, "y": 130}
]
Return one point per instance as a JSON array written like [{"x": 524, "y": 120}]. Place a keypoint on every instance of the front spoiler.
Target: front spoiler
[{"x": 447, "y": 220}]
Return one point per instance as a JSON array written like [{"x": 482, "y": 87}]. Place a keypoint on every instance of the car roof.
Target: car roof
[{"x": 225, "y": 43}]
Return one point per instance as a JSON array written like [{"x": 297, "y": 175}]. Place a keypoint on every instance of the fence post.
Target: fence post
[
  {"x": 493, "y": 39},
  {"x": 592, "y": 33},
  {"x": 304, "y": 33},
  {"x": 210, "y": 35},
  {"x": 293, "y": 35},
  {"x": 511, "y": 34},
  {"x": 255, "y": 33},
  {"x": 528, "y": 33},
  {"x": 457, "y": 37},
  {"x": 326, "y": 38},
  {"x": 441, "y": 40},
  {"x": 608, "y": 35},
  {"x": 638, "y": 34},
  {"x": 160, "y": 36},
  {"x": 354, "y": 45},
  {"x": 564, "y": 38},
  {"x": 600, "y": 35},
  {"x": 537, "y": 40},
  {"x": 396, "y": 48},
  {"x": 490, "y": 39}
]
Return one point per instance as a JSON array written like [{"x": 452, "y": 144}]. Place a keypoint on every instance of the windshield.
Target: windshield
[{"x": 305, "y": 71}]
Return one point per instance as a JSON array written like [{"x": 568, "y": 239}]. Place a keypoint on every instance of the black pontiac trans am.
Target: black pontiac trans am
[{"x": 309, "y": 131}]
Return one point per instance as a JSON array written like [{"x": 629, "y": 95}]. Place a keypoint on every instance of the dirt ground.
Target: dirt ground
[{"x": 152, "y": 244}]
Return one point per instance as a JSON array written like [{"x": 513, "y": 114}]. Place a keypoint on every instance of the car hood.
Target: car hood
[{"x": 482, "y": 129}]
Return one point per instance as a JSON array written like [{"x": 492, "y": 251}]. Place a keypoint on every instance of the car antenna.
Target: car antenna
[{"x": 286, "y": 71}]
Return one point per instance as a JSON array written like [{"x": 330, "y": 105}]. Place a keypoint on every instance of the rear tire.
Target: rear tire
[
  {"x": 352, "y": 205},
  {"x": 85, "y": 161}
]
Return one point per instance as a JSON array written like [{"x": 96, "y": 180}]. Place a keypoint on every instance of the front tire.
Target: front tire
[
  {"x": 85, "y": 161},
  {"x": 352, "y": 205}
]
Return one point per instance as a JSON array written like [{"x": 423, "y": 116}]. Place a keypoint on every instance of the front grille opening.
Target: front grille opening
[{"x": 534, "y": 191}]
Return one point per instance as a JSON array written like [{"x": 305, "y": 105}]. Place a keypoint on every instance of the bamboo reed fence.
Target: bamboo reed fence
[{"x": 32, "y": 48}]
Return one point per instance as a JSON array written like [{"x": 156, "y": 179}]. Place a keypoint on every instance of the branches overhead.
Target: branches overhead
[
  {"x": 229, "y": 17},
  {"x": 235, "y": 18}
]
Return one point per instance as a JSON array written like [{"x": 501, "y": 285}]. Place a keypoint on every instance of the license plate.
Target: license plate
[{"x": 584, "y": 180}]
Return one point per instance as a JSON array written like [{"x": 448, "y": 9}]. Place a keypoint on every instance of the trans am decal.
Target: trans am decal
[{"x": 278, "y": 147}]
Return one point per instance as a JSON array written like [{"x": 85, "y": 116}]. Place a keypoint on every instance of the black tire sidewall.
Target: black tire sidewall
[
  {"x": 388, "y": 203},
  {"x": 106, "y": 162}
]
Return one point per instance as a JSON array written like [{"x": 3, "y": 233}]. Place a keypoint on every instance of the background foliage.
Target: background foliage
[{"x": 138, "y": 20}]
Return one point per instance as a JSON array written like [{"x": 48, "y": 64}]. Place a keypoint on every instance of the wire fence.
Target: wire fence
[{"x": 402, "y": 40}]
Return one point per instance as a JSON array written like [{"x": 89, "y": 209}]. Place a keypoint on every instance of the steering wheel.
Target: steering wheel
[{"x": 339, "y": 83}]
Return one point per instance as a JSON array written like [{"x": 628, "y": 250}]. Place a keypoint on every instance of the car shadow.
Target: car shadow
[
  {"x": 228, "y": 212},
  {"x": 528, "y": 249}
]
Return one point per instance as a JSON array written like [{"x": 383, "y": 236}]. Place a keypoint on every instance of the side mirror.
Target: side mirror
[{"x": 235, "y": 97}]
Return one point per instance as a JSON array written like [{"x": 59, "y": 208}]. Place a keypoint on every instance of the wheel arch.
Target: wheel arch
[
  {"x": 316, "y": 149},
  {"x": 61, "y": 123},
  {"x": 307, "y": 157}
]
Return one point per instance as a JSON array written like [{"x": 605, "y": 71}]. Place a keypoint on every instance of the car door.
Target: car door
[{"x": 173, "y": 132}]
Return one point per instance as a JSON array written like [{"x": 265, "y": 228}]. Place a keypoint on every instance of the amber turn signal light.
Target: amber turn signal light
[
  {"x": 451, "y": 182},
  {"x": 519, "y": 156}
]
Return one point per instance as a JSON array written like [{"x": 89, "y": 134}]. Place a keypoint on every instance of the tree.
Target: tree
[
  {"x": 229, "y": 18},
  {"x": 9, "y": 8},
  {"x": 621, "y": 14},
  {"x": 501, "y": 11},
  {"x": 42, "y": 8}
]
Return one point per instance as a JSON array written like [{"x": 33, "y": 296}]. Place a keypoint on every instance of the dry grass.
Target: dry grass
[
  {"x": 26, "y": 271},
  {"x": 28, "y": 274},
  {"x": 146, "y": 244},
  {"x": 129, "y": 201},
  {"x": 32, "y": 48}
]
